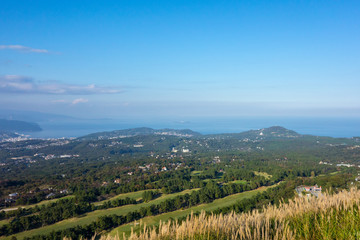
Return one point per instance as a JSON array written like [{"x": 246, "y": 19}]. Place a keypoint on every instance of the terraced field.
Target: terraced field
[
  {"x": 218, "y": 203},
  {"x": 37, "y": 204},
  {"x": 134, "y": 195},
  {"x": 45, "y": 202},
  {"x": 92, "y": 216},
  {"x": 263, "y": 174}
]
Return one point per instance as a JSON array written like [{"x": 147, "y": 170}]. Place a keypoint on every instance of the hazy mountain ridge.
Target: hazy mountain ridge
[
  {"x": 264, "y": 133},
  {"x": 32, "y": 116},
  {"x": 18, "y": 126},
  {"x": 131, "y": 132},
  {"x": 274, "y": 132}
]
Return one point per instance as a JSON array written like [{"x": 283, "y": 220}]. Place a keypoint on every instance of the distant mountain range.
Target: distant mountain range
[
  {"x": 264, "y": 133},
  {"x": 275, "y": 132},
  {"x": 18, "y": 126},
  {"x": 32, "y": 116},
  {"x": 12, "y": 128},
  {"x": 11, "y": 121},
  {"x": 140, "y": 131}
]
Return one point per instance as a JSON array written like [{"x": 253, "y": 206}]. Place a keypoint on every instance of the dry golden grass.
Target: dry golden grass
[{"x": 327, "y": 217}]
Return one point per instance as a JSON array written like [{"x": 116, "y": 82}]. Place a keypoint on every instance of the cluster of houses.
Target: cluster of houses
[
  {"x": 345, "y": 165},
  {"x": 338, "y": 164},
  {"x": 173, "y": 133},
  {"x": 4, "y": 137},
  {"x": 308, "y": 190},
  {"x": 151, "y": 167},
  {"x": 52, "y": 156},
  {"x": 42, "y": 155},
  {"x": 184, "y": 150},
  {"x": 146, "y": 167},
  {"x": 26, "y": 159},
  {"x": 139, "y": 145},
  {"x": 12, "y": 197},
  {"x": 216, "y": 160},
  {"x": 174, "y": 153}
]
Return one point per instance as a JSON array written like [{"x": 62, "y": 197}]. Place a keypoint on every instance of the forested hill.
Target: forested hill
[
  {"x": 275, "y": 132},
  {"x": 140, "y": 131},
  {"x": 18, "y": 126}
]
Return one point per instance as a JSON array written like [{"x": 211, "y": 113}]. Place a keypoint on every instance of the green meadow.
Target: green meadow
[
  {"x": 263, "y": 174},
  {"x": 134, "y": 195},
  {"x": 154, "y": 220},
  {"x": 45, "y": 202},
  {"x": 92, "y": 216},
  {"x": 37, "y": 204}
]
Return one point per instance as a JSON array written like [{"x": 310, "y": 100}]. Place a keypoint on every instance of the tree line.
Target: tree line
[
  {"x": 207, "y": 194},
  {"x": 55, "y": 212}
]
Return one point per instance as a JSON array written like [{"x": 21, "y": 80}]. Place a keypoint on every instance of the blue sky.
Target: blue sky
[{"x": 180, "y": 59}]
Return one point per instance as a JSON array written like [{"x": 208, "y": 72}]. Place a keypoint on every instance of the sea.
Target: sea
[{"x": 332, "y": 127}]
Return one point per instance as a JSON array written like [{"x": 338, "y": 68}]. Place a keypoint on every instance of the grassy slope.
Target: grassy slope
[
  {"x": 219, "y": 203},
  {"x": 328, "y": 217},
  {"x": 196, "y": 173},
  {"x": 37, "y": 204},
  {"x": 2, "y": 222},
  {"x": 134, "y": 195},
  {"x": 263, "y": 174},
  {"x": 237, "y": 182},
  {"x": 5, "y": 221},
  {"x": 92, "y": 216}
]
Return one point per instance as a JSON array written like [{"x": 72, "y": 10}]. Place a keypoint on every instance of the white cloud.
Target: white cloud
[
  {"x": 23, "y": 49},
  {"x": 22, "y": 84},
  {"x": 79, "y": 100}
]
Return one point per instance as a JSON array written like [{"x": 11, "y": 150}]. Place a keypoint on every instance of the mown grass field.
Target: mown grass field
[
  {"x": 237, "y": 182},
  {"x": 218, "y": 203},
  {"x": 331, "y": 174},
  {"x": 92, "y": 216},
  {"x": 37, "y": 204},
  {"x": 2, "y": 222},
  {"x": 328, "y": 217},
  {"x": 196, "y": 173},
  {"x": 45, "y": 202},
  {"x": 134, "y": 195},
  {"x": 263, "y": 174}
]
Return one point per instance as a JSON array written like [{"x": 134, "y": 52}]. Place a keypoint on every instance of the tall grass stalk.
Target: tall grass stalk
[{"x": 326, "y": 217}]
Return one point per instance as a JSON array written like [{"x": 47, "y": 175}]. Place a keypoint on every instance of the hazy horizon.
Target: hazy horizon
[{"x": 181, "y": 59}]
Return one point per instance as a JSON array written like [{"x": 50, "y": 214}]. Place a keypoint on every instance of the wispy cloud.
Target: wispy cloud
[
  {"x": 71, "y": 102},
  {"x": 79, "y": 100},
  {"x": 22, "y": 84},
  {"x": 22, "y": 48}
]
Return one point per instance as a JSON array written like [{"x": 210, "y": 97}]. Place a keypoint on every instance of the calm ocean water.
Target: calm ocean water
[{"x": 334, "y": 127}]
